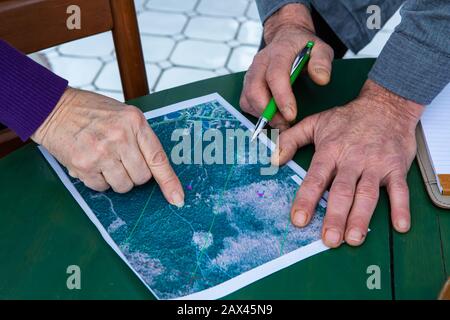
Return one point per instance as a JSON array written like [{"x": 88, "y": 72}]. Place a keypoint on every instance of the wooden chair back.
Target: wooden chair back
[{"x": 34, "y": 25}]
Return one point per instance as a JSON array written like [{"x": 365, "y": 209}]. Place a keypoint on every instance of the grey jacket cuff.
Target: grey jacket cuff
[
  {"x": 410, "y": 69},
  {"x": 266, "y": 8}
]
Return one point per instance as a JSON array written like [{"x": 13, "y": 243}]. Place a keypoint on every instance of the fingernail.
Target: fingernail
[
  {"x": 355, "y": 235},
  {"x": 177, "y": 199},
  {"x": 300, "y": 218},
  {"x": 332, "y": 237},
  {"x": 403, "y": 224}
]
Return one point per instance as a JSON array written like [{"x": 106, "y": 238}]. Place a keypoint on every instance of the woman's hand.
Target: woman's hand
[{"x": 106, "y": 144}]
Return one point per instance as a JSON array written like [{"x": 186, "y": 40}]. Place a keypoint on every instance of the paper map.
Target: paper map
[{"x": 233, "y": 229}]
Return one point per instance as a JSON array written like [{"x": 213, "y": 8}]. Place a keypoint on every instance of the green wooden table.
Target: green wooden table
[{"x": 43, "y": 230}]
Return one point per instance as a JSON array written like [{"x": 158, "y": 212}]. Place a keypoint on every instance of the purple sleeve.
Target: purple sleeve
[{"x": 28, "y": 91}]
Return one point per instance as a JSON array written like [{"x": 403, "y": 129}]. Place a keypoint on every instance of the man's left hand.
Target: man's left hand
[{"x": 361, "y": 146}]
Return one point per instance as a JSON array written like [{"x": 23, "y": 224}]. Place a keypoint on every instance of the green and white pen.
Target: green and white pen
[{"x": 271, "y": 108}]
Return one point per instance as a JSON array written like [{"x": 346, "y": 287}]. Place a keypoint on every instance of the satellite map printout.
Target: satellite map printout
[{"x": 233, "y": 229}]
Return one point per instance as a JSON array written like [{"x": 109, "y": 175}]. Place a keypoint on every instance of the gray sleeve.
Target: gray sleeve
[
  {"x": 268, "y": 7},
  {"x": 348, "y": 18},
  {"x": 415, "y": 63}
]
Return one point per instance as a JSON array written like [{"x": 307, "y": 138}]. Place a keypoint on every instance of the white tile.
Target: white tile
[
  {"x": 139, "y": 5},
  {"x": 40, "y": 58},
  {"x": 209, "y": 28},
  {"x": 172, "y": 5},
  {"x": 250, "y": 33},
  {"x": 241, "y": 58},
  {"x": 156, "y": 48},
  {"x": 179, "y": 37},
  {"x": 94, "y": 46},
  {"x": 201, "y": 54},
  {"x": 252, "y": 11},
  {"x": 374, "y": 48},
  {"x": 50, "y": 52},
  {"x": 161, "y": 23},
  {"x": 108, "y": 58},
  {"x": 234, "y": 43},
  {"x": 78, "y": 71},
  {"x": 191, "y": 13},
  {"x": 109, "y": 77},
  {"x": 165, "y": 64},
  {"x": 178, "y": 76},
  {"x": 153, "y": 72},
  {"x": 225, "y": 8}
]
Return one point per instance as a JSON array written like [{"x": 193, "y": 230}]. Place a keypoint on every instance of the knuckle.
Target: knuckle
[
  {"x": 334, "y": 221},
  {"x": 123, "y": 187},
  {"x": 325, "y": 49},
  {"x": 168, "y": 181},
  {"x": 133, "y": 114},
  {"x": 343, "y": 189},
  {"x": 306, "y": 205},
  {"x": 252, "y": 93},
  {"x": 118, "y": 134},
  {"x": 272, "y": 77},
  {"x": 329, "y": 51},
  {"x": 332, "y": 147},
  {"x": 397, "y": 161},
  {"x": 368, "y": 191},
  {"x": 360, "y": 221},
  {"x": 102, "y": 149},
  {"x": 143, "y": 177},
  {"x": 243, "y": 102},
  {"x": 94, "y": 185},
  {"x": 83, "y": 163},
  {"x": 103, "y": 187},
  {"x": 316, "y": 179},
  {"x": 399, "y": 187},
  {"x": 259, "y": 59},
  {"x": 159, "y": 158}
]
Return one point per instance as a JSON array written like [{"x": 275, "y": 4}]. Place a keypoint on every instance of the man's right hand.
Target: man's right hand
[
  {"x": 286, "y": 33},
  {"x": 106, "y": 144}
]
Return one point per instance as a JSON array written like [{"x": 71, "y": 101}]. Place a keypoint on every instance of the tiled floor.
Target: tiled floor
[{"x": 183, "y": 41}]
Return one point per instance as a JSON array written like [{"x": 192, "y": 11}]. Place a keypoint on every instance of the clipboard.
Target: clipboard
[{"x": 428, "y": 174}]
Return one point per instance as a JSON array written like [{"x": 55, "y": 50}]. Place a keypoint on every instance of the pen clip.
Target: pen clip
[{"x": 299, "y": 58}]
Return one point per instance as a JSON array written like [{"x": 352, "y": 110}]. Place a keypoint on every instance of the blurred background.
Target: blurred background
[{"x": 183, "y": 41}]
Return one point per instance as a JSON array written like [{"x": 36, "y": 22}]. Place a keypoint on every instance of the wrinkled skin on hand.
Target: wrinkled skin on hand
[
  {"x": 107, "y": 144},
  {"x": 286, "y": 34},
  {"x": 359, "y": 147}
]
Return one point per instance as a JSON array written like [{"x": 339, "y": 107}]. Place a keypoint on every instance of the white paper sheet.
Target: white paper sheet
[{"x": 436, "y": 128}]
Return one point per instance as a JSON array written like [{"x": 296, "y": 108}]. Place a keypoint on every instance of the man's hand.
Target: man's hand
[
  {"x": 361, "y": 146},
  {"x": 106, "y": 144},
  {"x": 286, "y": 34}
]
